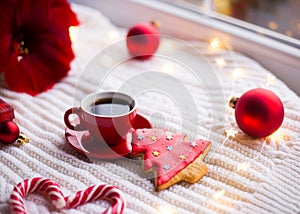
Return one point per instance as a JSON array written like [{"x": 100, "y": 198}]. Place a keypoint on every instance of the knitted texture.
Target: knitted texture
[{"x": 242, "y": 177}]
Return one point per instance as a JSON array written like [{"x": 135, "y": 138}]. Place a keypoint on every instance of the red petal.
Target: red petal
[
  {"x": 7, "y": 14},
  {"x": 48, "y": 62},
  {"x": 5, "y": 52},
  {"x": 45, "y": 25},
  {"x": 33, "y": 15},
  {"x": 61, "y": 8}
]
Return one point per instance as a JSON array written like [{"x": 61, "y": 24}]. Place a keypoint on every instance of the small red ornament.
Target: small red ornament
[
  {"x": 142, "y": 40},
  {"x": 9, "y": 132},
  {"x": 258, "y": 112}
]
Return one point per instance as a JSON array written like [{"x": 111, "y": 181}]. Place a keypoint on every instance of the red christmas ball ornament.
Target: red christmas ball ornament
[
  {"x": 9, "y": 132},
  {"x": 259, "y": 112},
  {"x": 143, "y": 40}
]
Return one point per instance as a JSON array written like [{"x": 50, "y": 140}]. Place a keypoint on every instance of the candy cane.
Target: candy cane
[
  {"x": 22, "y": 189},
  {"x": 103, "y": 191},
  {"x": 52, "y": 189}
]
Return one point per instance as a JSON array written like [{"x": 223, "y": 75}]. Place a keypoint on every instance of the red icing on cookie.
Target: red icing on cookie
[{"x": 166, "y": 152}]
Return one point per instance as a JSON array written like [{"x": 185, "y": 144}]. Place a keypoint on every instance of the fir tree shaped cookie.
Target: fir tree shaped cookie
[{"x": 169, "y": 156}]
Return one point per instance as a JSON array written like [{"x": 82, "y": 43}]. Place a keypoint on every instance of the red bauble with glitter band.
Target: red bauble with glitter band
[
  {"x": 259, "y": 112},
  {"x": 143, "y": 40},
  {"x": 9, "y": 132}
]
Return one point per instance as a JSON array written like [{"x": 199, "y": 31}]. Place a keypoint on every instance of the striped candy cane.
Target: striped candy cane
[
  {"x": 52, "y": 189},
  {"x": 103, "y": 191},
  {"x": 22, "y": 189}
]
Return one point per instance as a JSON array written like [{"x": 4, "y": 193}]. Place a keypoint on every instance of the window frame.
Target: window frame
[
  {"x": 279, "y": 58},
  {"x": 208, "y": 11}
]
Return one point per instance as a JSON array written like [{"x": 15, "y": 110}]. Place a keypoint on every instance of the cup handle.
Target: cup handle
[{"x": 78, "y": 112}]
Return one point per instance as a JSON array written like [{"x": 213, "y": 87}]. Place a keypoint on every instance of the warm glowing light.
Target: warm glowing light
[
  {"x": 220, "y": 62},
  {"x": 273, "y": 25},
  {"x": 230, "y": 132},
  {"x": 237, "y": 72},
  {"x": 166, "y": 46},
  {"x": 219, "y": 194},
  {"x": 279, "y": 135},
  {"x": 261, "y": 32},
  {"x": 221, "y": 6},
  {"x": 167, "y": 68},
  {"x": 113, "y": 35},
  {"x": 243, "y": 166},
  {"x": 276, "y": 135},
  {"x": 277, "y": 138},
  {"x": 165, "y": 210},
  {"x": 73, "y": 33},
  {"x": 215, "y": 43},
  {"x": 289, "y": 33},
  {"x": 270, "y": 80}
]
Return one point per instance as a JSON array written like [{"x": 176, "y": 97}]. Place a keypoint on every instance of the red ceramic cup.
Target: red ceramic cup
[{"x": 107, "y": 116}]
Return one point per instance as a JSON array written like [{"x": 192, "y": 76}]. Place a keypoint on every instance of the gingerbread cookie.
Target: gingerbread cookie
[{"x": 169, "y": 156}]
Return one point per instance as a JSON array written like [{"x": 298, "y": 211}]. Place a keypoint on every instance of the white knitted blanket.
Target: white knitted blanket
[{"x": 242, "y": 176}]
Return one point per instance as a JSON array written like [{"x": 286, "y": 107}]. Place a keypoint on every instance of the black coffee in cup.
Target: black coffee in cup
[{"x": 110, "y": 107}]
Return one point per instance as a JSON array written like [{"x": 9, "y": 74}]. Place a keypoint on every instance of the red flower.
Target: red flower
[{"x": 35, "y": 47}]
